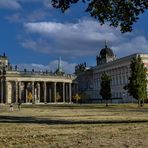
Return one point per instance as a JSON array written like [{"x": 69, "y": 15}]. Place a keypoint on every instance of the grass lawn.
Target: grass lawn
[{"x": 76, "y": 126}]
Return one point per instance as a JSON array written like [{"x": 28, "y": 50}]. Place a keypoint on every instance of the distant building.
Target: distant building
[
  {"x": 119, "y": 69},
  {"x": 33, "y": 86}
]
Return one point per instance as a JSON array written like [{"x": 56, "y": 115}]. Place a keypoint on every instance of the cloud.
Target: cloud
[
  {"x": 10, "y": 4},
  {"x": 25, "y": 14},
  {"x": 83, "y": 38},
  {"x": 79, "y": 39},
  {"x": 127, "y": 46},
  {"x": 17, "y": 4},
  {"x": 66, "y": 66},
  {"x": 14, "y": 18},
  {"x": 35, "y": 15},
  {"x": 88, "y": 29},
  {"x": 52, "y": 66}
]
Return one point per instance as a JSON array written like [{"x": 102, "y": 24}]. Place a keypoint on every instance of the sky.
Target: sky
[{"x": 33, "y": 34}]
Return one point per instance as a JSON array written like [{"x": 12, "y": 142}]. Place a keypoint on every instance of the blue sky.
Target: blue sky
[{"x": 34, "y": 35}]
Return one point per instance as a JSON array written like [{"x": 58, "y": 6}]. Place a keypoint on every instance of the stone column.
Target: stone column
[
  {"x": 38, "y": 92},
  {"x": 45, "y": 93},
  {"x": 35, "y": 95},
  {"x": 20, "y": 90},
  {"x": 16, "y": 92},
  {"x": 63, "y": 92},
  {"x": 2, "y": 89},
  {"x": 70, "y": 92},
  {"x": 33, "y": 99},
  {"x": 55, "y": 91}
]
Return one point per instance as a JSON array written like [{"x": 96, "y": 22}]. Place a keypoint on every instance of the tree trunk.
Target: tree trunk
[{"x": 143, "y": 101}]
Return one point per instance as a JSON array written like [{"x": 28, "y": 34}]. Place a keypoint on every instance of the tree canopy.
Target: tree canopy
[
  {"x": 105, "y": 90},
  {"x": 122, "y": 13},
  {"x": 137, "y": 81}
]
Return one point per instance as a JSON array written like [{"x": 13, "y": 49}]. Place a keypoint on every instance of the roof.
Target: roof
[{"x": 106, "y": 52}]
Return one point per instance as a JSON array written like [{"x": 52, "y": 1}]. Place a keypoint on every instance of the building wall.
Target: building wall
[
  {"x": 119, "y": 70},
  {"x": 85, "y": 83}
]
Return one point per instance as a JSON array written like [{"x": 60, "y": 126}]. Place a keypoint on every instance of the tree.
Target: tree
[
  {"x": 137, "y": 81},
  {"x": 77, "y": 97},
  {"x": 105, "y": 90},
  {"x": 30, "y": 96},
  {"x": 122, "y": 13}
]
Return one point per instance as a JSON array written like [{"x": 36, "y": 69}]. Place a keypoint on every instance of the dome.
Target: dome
[
  {"x": 106, "y": 52},
  {"x": 106, "y": 55}
]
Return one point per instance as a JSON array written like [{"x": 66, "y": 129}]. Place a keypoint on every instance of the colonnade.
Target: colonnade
[{"x": 36, "y": 91}]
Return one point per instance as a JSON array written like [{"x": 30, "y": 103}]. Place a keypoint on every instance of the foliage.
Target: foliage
[
  {"x": 81, "y": 97},
  {"x": 77, "y": 97},
  {"x": 137, "y": 81},
  {"x": 30, "y": 96},
  {"x": 105, "y": 90},
  {"x": 121, "y": 13}
]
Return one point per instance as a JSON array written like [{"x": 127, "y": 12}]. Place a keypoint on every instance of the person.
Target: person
[
  {"x": 11, "y": 107},
  {"x": 19, "y": 103}
]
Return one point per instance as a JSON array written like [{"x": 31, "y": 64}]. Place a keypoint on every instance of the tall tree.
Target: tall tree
[
  {"x": 105, "y": 90},
  {"x": 122, "y": 13},
  {"x": 137, "y": 81}
]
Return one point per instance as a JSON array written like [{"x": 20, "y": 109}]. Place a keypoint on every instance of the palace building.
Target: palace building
[
  {"x": 54, "y": 87},
  {"x": 33, "y": 86},
  {"x": 89, "y": 78}
]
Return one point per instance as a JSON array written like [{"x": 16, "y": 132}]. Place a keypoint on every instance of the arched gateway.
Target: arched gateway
[{"x": 35, "y": 87}]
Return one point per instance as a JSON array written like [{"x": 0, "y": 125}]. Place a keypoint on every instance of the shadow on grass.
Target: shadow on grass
[
  {"x": 85, "y": 106},
  {"x": 33, "y": 120}
]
